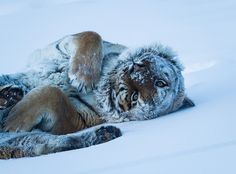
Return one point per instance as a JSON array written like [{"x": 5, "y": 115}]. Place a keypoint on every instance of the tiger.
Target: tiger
[{"x": 75, "y": 86}]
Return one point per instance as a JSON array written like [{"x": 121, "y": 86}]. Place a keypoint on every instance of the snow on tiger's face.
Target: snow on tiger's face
[{"x": 145, "y": 84}]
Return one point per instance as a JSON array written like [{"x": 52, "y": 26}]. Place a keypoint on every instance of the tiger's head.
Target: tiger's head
[{"x": 143, "y": 84}]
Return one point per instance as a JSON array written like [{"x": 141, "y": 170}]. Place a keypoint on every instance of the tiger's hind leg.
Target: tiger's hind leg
[
  {"x": 93, "y": 136},
  {"x": 90, "y": 137},
  {"x": 24, "y": 144},
  {"x": 86, "y": 63},
  {"x": 46, "y": 108}
]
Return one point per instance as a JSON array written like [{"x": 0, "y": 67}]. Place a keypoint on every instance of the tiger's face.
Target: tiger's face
[{"x": 144, "y": 84}]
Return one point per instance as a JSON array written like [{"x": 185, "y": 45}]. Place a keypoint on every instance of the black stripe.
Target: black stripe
[
  {"x": 58, "y": 48},
  {"x": 121, "y": 106}
]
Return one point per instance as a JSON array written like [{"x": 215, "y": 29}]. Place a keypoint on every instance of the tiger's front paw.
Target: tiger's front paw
[{"x": 10, "y": 95}]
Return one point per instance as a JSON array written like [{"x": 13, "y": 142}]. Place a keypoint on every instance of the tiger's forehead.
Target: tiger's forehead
[
  {"x": 163, "y": 68},
  {"x": 157, "y": 66}
]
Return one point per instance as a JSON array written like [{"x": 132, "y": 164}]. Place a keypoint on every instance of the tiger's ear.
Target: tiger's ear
[{"x": 187, "y": 103}]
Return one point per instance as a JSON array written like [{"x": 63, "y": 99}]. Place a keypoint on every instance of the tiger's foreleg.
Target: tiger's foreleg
[{"x": 86, "y": 61}]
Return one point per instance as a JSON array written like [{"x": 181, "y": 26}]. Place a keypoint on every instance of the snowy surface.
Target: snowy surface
[{"x": 197, "y": 140}]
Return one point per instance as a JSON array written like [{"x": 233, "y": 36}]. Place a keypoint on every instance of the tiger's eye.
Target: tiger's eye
[
  {"x": 160, "y": 83},
  {"x": 135, "y": 96}
]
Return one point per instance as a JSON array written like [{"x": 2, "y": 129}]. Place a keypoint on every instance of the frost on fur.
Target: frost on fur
[
  {"x": 85, "y": 65},
  {"x": 130, "y": 84},
  {"x": 17, "y": 145},
  {"x": 163, "y": 64}
]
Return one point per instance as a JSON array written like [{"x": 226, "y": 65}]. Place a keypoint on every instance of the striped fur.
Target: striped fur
[{"x": 122, "y": 85}]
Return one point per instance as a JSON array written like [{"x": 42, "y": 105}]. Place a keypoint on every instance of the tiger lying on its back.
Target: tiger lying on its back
[{"x": 81, "y": 81}]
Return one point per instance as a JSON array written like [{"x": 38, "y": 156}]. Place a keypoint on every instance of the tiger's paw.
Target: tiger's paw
[
  {"x": 107, "y": 133},
  {"x": 13, "y": 152},
  {"x": 10, "y": 95}
]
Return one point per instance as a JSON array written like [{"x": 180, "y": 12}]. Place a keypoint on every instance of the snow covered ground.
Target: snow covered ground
[{"x": 198, "y": 140}]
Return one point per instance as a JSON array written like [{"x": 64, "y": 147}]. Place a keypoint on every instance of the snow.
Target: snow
[{"x": 198, "y": 140}]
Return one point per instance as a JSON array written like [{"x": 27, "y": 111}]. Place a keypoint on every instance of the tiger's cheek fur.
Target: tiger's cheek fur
[{"x": 145, "y": 87}]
